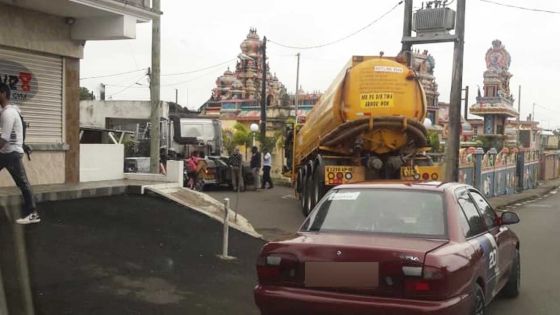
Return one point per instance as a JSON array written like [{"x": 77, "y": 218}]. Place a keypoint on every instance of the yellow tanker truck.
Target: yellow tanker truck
[{"x": 368, "y": 125}]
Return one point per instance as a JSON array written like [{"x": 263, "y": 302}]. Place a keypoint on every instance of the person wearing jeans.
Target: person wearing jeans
[
  {"x": 236, "y": 164},
  {"x": 267, "y": 165},
  {"x": 255, "y": 166},
  {"x": 11, "y": 154}
]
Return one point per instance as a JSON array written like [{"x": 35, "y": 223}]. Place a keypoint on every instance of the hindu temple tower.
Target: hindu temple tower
[{"x": 495, "y": 105}]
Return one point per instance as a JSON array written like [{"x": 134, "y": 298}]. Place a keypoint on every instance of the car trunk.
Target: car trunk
[{"x": 357, "y": 263}]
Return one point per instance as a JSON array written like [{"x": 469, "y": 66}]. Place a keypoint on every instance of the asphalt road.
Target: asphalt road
[
  {"x": 274, "y": 213},
  {"x": 539, "y": 232},
  {"x": 136, "y": 255}
]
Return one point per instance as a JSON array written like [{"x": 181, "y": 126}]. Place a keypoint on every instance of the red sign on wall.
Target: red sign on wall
[{"x": 21, "y": 81}]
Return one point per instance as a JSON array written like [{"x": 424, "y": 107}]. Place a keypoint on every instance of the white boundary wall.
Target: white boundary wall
[{"x": 101, "y": 162}]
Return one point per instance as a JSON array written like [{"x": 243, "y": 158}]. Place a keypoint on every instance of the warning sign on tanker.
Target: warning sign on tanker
[
  {"x": 377, "y": 100},
  {"x": 342, "y": 174}
]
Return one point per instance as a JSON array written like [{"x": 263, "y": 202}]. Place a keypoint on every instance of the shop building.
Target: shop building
[{"x": 41, "y": 45}]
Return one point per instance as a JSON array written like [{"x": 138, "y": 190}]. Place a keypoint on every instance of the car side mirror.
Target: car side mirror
[{"x": 508, "y": 218}]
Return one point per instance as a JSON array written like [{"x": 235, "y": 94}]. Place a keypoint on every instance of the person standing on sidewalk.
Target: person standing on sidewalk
[
  {"x": 236, "y": 164},
  {"x": 267, "y": 165},
  {"x": 11, "y": 154},
  {"x": 256, "y": 166}
]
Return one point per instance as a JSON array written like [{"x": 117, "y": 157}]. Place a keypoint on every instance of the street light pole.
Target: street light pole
[{"x": 254, "y": 128}]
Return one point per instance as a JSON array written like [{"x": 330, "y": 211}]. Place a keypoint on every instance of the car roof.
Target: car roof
[{"x": 403, "y": 185}]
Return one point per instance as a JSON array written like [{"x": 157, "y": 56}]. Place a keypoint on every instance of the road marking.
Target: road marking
[
  {"x": 288, "y": 197},
  {"x": 536, "y": 205}
]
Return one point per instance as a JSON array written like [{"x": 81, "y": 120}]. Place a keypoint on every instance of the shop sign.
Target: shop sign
[{"x": 21, "y": 81}]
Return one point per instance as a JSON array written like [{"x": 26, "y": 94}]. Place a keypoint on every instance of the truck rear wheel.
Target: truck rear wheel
[
  {"x": 317, "y": 187},
  {"x": 304, "y": 194},
  {"x": 309, "y": 193},
  {"x": 299, "y": 182}
]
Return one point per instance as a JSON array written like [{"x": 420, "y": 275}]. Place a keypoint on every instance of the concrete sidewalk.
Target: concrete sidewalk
[
  {"x": 11, "y": 196},
  {"x": 543, "y": 189}
]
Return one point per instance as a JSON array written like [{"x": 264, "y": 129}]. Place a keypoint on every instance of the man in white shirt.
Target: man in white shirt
[
  {"x": 267, "y": 165},
  {"x": 11, "y": 154}
]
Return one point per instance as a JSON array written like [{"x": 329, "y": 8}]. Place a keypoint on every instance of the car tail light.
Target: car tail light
[
  {"x": 424, "y": 282},
  {"x": 278, "y": 269}
]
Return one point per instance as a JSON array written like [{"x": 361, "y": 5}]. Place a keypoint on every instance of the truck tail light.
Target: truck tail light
[{"x": 275, "y": 269}]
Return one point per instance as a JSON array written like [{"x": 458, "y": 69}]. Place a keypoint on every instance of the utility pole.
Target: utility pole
[
  {"x": 533, "y": 114},
  {"x": 101, "y": 92},
  {"x": 453, "y": 140},
  {"x": 296, "y": 102},
  {"x": 154, "y": 90},
  {"x": 407, "y": 31},
  {"x": 263, "y": 93},
  {"x": 519, "y": 104},
  {"x": 296, "y": 108},
  {"x": 466, "y": 89},
  {"x": 176, "y": 96}
]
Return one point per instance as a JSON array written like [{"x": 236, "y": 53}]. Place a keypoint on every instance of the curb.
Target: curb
[
  {"x": 533, "y": 196},
  {"x": 247, "y": 230}
]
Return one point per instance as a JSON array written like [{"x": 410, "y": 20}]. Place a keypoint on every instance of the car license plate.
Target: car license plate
[{"x": 342, "y": 274}]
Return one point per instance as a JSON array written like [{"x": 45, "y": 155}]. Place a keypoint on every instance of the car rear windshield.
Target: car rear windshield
[{"x": 388, "y": 211}]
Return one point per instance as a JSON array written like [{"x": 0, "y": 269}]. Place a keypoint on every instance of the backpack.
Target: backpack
[
  {"x": 26, "y": 148},
  {"x": 191, "y": 165}
]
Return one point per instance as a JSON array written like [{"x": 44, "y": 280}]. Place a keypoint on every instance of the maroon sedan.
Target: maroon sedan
[{"x": 393, "y": 248}]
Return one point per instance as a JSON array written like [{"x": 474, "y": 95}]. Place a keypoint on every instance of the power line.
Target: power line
[
  {"x": 113, "y": 75},
  {"x": 521, "y": 7},
  {"x": 189, "y": 80},
  {"x": 199, "y": 70},
  {"x": 548, "y": 109},
  {"x": 129, "y": 86},
  {"x": 142, "y": 86},
  {"x": 342, "y": 38}
]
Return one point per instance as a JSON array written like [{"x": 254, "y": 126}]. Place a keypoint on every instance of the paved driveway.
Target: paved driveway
[
  {"x": 274, "y": 213},
  {"x": 136, "y": 255}
]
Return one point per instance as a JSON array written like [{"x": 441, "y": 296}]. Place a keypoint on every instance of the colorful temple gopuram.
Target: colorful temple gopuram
[
  {"x": 496, "y": 104},
  {"x": 237, "y": 95},
  {"x": 424, "y": 64}
]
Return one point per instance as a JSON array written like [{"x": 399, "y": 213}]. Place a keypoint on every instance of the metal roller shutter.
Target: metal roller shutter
[{"x": 43, "y": 109}]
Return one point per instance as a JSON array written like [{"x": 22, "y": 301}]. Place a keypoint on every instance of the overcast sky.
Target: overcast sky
[{"x": 204, "y": 33}]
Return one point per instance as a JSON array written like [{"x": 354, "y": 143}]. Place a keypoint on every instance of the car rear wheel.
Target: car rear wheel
[
  {"x": 511, "y": 289},
  {"x": 479, "y": 307}
]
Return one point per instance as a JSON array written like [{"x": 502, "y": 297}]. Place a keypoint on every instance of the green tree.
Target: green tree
[
  {"x": 240, "y": 135},
  {"x": 86, "y": 95},
  {"x": 227, "y": 137},
  {"x": 433, "y": 141},
  {"x": 270, "y": 143}
]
